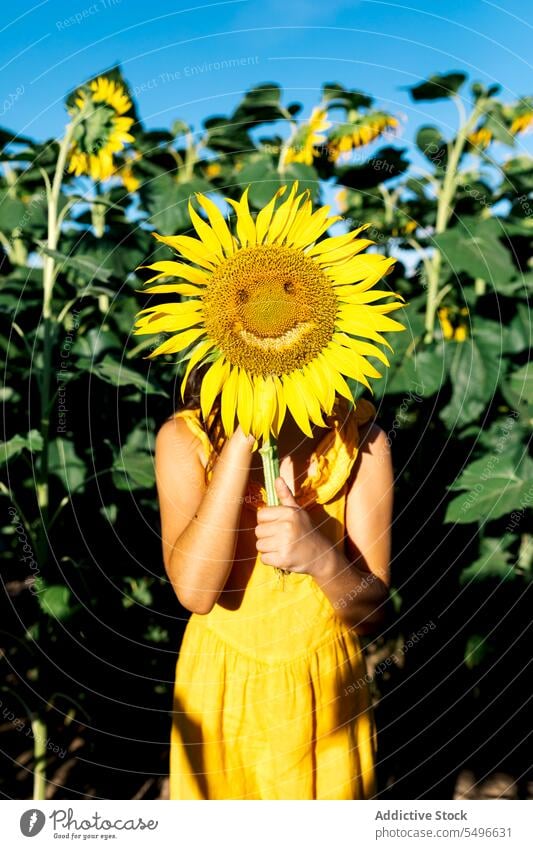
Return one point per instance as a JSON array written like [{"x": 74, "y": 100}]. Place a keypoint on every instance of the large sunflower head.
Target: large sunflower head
[
  {"x": 101, "y": 127},
  {"x": 282, "y": 317}
]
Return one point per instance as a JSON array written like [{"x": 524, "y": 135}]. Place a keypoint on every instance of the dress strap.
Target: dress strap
[
  {"x": 337, "y": 453},
  {"x": 192, "y": 419}
]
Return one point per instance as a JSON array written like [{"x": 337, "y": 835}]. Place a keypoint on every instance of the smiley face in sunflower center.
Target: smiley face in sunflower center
[{"x": 270, "y": 308}]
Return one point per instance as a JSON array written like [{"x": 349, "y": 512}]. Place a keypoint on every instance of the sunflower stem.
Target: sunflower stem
[
  {"x": 445, "y": 202},
  {"x": 270, "y": 458}
]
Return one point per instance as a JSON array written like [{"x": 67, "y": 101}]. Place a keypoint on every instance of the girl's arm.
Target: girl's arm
[
  {"x": 357, "y": 584},
  {"x": 199, "y": 523}
]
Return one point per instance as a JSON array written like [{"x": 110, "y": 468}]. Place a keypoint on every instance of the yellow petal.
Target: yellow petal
[
  {"x": 361, "y": 328},
  {"x": 265, "y": 403},
  {"x": 343, "y": 254},
  {"x": 212, "y": 383},
  {"x": 245, "y": 404},
  {"x": 229, "y": 401},
  {"x": 301, "y": 221},
  {"x": 166, "y": 323},
  {"x": 205, "y": 233},
  {"x": 281, "y": 406},
  {"x": 199, "y": 352},
  {"x": 282, "y": 215},
  {"x": 373, "y": 319},
  {"x": 309, "y": 398},
  {"x": 194, "y": 305},
  {"x": 245, "y": 223},
  {"x": 296, "y": 405},
  {"x": 319, "y": 223},
  {"x": 192, "y": 249},
  {"x": 367, "y": 297},
  {"x": 317, "y": 372},
  {"x": 218, "y": 223},
  {"x": 360, "y": 347},
  {"x": 313, "y": 377},
  {"x": 336, "y": 378},
  {"x": 350, "y": 364},
  {"x": 369, "y": 268},
  {"x": 264, "y": 217},
  {"x": 333, "y": 243},
  {"x": 178, "y": 342}
]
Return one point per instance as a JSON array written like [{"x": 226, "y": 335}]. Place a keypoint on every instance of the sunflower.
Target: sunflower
[
  {"x": 458, "y": 330},
  {"x": 126, "y": 174},
  {"x": 522, "y": 122},
  {"x": 307, "y": 138},
  {"x": 213, "y": 170},
  {"x": 347, "y": 137},
  {"x": 101, "y": 128},
  {"x": 282, "y": 318},
  {"x": 480, "y": 138}
]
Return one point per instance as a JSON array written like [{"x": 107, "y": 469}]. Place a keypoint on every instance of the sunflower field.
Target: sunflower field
[{"x": 91, "y": 627}]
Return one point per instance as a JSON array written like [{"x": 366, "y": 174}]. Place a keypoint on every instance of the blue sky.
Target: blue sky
[{"x": 165, "y": 49}]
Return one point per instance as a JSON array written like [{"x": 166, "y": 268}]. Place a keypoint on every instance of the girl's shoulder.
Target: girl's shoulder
[{"x": 193, "y": 420}]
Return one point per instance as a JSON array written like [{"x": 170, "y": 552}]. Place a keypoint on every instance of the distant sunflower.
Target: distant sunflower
[
  {"x": 453, "y": 323},
  {"x": 347, "y": 137},
  {"x": 522, "y": 122},
  {"x": 101, "y": 128},
  {"x": 126, "y": 173},
  {"x": 480, "y": 138},
  {"x": 283, "y": 318},
  {"x": 303, "y": 146}
]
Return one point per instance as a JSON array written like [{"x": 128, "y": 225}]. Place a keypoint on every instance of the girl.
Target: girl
[{"x": 271, "y": 700}]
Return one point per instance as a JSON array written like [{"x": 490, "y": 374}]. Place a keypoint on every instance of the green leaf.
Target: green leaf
[
  {"x": 85, "y": 265},
  {"x": 517, "y": 389},
  {"x": 11, "y": 212},
  {"x": 140, "y": 592},
  {"x": 496, "y": 485},
  {"x": 475, "y": 651},
  {"x": 386, "y": 164},
  {"x": 55, "y": 600},
  {"x": 263, "y": 179},
  {"x": 260, "y": 105},
  {"x": 305, "y": 174},
  {"x": 335, "y": 95},
  {"x": 227, "y": 136},
  {"x": 437, "y": 87},
  {"x": 495, "y": 124},
  {"x": 473, "y": 246},
  {"x": 431, "y": 143},
  {"x": 133, "y": 467},
  {"x": 494, "y": 561},
  {"x": 167, "y": 202},
  {"x": 32, "y": 442},
  {"x": 117, "y": 374},
  {"x": 64, "y": 463}
]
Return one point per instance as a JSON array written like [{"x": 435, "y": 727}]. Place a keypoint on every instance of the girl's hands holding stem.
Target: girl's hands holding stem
[{"x": 286, "y": 536}]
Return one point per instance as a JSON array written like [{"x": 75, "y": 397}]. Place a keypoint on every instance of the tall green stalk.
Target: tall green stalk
[
  {"x": 38, "y": 727},
  {"x": 444, "y": 210},
  {"x": 53, "y": 191}
]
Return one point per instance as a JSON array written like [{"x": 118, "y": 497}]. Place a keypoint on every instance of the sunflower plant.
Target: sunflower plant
[
  {"x": 101, "y": 127},
  {"x": 283, "y": 316}
]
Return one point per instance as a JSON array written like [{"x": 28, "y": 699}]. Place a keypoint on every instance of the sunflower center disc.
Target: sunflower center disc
[{"x": 270, "y": 309}]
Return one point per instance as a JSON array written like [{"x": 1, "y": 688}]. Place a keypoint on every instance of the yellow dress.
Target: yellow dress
[{"x": 270, "y": 699}]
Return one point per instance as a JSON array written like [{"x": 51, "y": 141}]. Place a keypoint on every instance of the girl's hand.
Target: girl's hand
[{"x": 286, "y": 536}]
